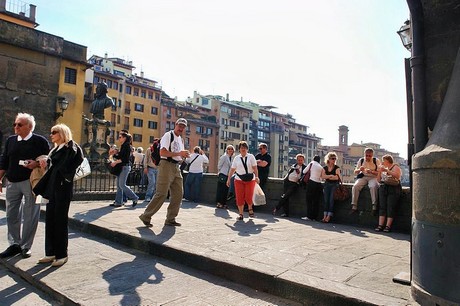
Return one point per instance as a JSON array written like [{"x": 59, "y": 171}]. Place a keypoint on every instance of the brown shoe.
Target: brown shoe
[
  {"x": 172, "y": 223},
  {"x": 146, "y": 223}
]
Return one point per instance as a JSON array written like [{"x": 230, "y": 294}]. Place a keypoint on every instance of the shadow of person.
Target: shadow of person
[
  {"x": 222, "y": 213},
  {"x": 126, "y": 277},
  {"x": 246, "y": 228},
  {"x": 91, "y": 214}
]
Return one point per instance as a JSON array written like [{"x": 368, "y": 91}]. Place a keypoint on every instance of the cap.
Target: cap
[{"x": 181, "y": 121}]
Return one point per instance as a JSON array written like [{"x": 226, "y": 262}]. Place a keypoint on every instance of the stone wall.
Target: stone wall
[{"x": 363, "y": 218}]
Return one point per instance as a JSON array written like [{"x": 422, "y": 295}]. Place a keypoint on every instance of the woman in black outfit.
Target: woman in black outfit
[
  {"x": 57, "y": 186},
  {"x": 123, "y": 158},
  {"x": 332, "y": 175}
]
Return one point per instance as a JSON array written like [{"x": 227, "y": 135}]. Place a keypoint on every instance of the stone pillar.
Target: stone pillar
[{"x": 436, "y": 207}]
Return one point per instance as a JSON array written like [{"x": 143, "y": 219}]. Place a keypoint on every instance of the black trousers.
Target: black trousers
[
  {"x": 314, "y": 198},
  {"x": 289, "y": 188},
  {"x": 222, "y": 193},
  {"x": 56, "y": 226}
]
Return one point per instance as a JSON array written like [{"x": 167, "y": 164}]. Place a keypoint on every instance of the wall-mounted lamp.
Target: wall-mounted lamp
[
  {"x": 406, "y": 35},
  {"x": 62, "y": 103}
]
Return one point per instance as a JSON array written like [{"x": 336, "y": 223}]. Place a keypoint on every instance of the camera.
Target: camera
[
  {"x": 23, "y": 162},
  {"x": 360, "y": 175}
]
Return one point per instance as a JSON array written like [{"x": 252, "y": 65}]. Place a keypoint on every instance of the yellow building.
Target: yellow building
[{"x": 136, "y": 98}]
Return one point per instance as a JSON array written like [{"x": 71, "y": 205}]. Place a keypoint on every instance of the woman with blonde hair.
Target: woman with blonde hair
[
  {"x": 389, "y": 192},
  {"x": 57, "y": 186},
  {"x": 245, "y": 167},
  {"x": 332, "y": 176}
]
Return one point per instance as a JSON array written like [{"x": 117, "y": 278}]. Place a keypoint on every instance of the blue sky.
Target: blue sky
[{"x": 329, "y": 63}]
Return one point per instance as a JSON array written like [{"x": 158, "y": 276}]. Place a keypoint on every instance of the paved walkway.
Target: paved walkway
[{"x": 311, "y": 262}]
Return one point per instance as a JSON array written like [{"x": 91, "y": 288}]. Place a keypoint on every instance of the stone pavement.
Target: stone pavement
[{"x": 305, "y": 261}]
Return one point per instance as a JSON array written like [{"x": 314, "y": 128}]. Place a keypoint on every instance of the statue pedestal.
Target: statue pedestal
[{"x": 97, "y": 130}]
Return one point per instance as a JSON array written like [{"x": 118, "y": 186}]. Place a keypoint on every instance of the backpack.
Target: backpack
[{"x": 155, "y": 150}]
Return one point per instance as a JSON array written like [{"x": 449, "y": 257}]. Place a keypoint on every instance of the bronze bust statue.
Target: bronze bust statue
[{"x": 101, "y": 102}]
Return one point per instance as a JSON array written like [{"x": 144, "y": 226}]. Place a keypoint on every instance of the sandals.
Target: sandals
[
  {"x": 240, "y": 217},
  {"x": 385, "y": 229},
  {"x": 219, "y": 205},
  {"x": 251, "y": 213}
]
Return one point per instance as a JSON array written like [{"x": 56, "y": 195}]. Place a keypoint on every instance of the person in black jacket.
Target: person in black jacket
[
  {"x": 16, "y": 164},
  {"x": 123, "y": 159},
  {"x": 57, "y": 186},
  {"x": 291, "y": 183}
]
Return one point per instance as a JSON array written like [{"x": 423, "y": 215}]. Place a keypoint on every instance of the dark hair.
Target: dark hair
[
  {"x": 128, "y": 137},
  {"x": 243, "y": 144},
  {"x": 317, "y": 158}
]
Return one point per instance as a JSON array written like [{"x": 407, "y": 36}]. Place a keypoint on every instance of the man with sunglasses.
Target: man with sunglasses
[
  {"x": 16, "y": 164},
  {"x": 366, "y": 174},
  {"x": 264, "y": 160}
]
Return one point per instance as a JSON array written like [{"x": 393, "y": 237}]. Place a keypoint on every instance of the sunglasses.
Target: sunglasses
[
  {"x": 18, "y": 124},
  {"x": 333, "y": 158},
  {"x": 54, "y": 132}
]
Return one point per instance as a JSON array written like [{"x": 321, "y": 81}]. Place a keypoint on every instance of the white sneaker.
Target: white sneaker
[
  {"x": 59, "y": 262},
  {"x": 306, "y": 218},
  {"x": 46, "y": 259}
]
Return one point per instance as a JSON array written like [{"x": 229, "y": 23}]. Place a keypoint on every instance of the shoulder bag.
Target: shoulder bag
[
  {"x": 341, "y": 193},
  {"x": 83, "y": 170},
  {"x": 248, "y": 176}
]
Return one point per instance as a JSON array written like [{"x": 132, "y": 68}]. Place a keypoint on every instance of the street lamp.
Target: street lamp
[
  {"x": 63, "y": 104},
  {"x": 406, "y": 35}
]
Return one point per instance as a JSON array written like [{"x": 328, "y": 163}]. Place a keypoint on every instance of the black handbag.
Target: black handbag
[
  {"x": 114, "y": 170},
  {"x": 248, "y": 176},
  {"x": 222, "y": 178}
]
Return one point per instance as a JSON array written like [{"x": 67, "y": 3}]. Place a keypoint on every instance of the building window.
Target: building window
[
  {"x": 137, "y": 137},
  {"x": 115, "y": 85},
  {"x": 70, "y": 76},
  {"x": 136, "y": 92},
  {"x": 138, "y": 107},
  {"x": 121, "y": 88},
  {"x": 138, "y": 122},
  {"x": 157, "y": 97},
  {"x": 143, "y": 93},
  {"x": 151, "y": 139},
  {"x": 154, "y": 110},
  {"x": 128, "y": 90},
  {"x": 153, "y": 125},
  {"x": 109, "y": 83},
  {"x": 150, "y": 95},
  {"x": 96, "y": 80}
]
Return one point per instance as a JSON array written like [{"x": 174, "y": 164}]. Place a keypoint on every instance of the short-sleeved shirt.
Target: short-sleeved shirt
[
  {"x": 263, "y": 171},
  {"x": 176, "y": 146},
  {"x": 315, "y": 172},
  {"x": 238, "y": 164}
]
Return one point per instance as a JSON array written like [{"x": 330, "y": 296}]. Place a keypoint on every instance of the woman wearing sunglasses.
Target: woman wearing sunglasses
[
  {"x": 57, "y": 187},
  {"x": 332, "y": 175}
]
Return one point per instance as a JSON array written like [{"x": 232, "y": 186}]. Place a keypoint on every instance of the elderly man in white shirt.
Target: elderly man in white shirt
[{"x": 195, "y": 174}]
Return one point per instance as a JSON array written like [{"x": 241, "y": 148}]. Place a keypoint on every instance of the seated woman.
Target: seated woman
[{"x": 389, "y": 192}]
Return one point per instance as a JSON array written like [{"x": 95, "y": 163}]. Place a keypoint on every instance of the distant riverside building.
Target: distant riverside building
[{"x": 349, "y": 155}]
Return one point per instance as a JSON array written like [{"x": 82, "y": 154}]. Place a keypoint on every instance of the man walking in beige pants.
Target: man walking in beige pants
[{"x": 169, "y": 176}]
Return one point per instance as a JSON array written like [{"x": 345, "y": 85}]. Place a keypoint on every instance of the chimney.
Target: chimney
[
  {"x": 105, "y": 55},
  {"x": 142, "y": 74},
  {"x": 227, "y": 99},
  {"x": 32, "y": 12}
]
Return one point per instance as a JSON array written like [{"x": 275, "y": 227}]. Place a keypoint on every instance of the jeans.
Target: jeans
[
  {"x": 152, "y": 177},
  {"x": 329, "y": 189},
  {"x": 193, "y": 186},
  {"x": 231, "y": 189},
  {"x": 122, "y": 188}
]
